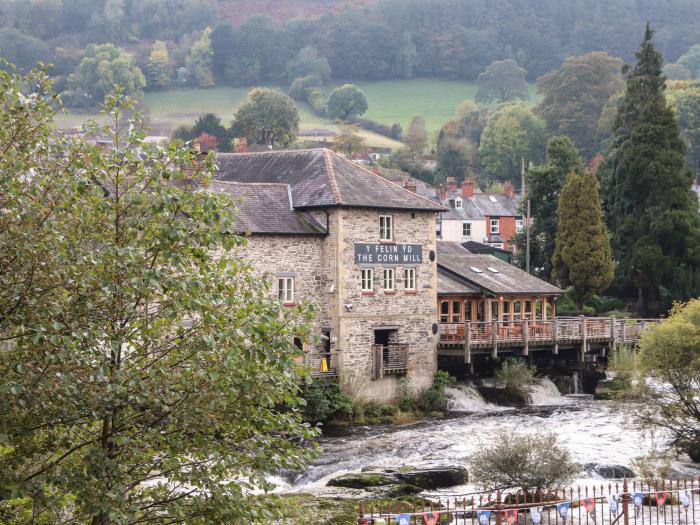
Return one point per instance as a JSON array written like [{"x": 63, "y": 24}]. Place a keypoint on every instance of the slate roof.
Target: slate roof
[
  {"x": 505, "y": 280},
  {"x": 468, "y": 211},
  {"x": 504, "y": 206},
  {"x": 320, "y": 178},
  {"x": 266, "y": 208},
  {"x": 449, "y": 285}
]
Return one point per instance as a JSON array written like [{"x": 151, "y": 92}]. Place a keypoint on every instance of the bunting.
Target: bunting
[
  {"x": 536, "y": 515},
  {"x": 430, "y": 518},
  {"x": 403, "y": 519},
  {"x": 685, "y": 498},
  {"x": 563, "y": 510},
  {"x": 483, "y": 516},
  {"x": 511, "y": 516},
  {"x": 612, "y": 504},
  {"x": 661, "y": 498}
]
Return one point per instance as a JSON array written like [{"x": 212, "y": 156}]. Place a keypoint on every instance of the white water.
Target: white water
[{"x": 595, "y": 432}]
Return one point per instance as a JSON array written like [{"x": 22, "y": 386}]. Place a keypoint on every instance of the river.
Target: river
[{"x": 597, "y": 433}]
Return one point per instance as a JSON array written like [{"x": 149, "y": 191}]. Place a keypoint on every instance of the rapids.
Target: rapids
[{"x": 597, "y": 433}]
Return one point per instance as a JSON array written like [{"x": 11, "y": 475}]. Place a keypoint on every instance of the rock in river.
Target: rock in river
[{"x": 405, "y": 479}]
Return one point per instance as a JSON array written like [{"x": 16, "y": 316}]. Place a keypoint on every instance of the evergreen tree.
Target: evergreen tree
[
  {"x": 650, "y": 206},
  {"x": 582, "y": 257},
  {"x": 158, "y": 71},
  {"x": 543, "y": 188}
]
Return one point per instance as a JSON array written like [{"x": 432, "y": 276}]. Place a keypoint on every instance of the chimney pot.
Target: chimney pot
[
  {"x": 242, "y": 145},
  {"x": 509, "y": 189},
  {"x": 452, "y": 184}
]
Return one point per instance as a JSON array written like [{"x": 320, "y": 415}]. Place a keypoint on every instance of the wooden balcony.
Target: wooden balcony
[
  {"x": 571, "y": 331},
  {"x": 389, "y": 359}
]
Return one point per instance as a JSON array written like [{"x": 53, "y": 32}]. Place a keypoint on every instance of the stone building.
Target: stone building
[{"x": 359, "y": 247}]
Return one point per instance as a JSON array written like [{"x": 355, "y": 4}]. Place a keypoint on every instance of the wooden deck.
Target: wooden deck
[{"x": 487, "y": 337}]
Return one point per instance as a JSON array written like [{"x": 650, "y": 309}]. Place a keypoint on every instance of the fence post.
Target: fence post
[
  {"x": 467, "y": 342},
  {"x": 625, "y": 502},
  {"x": 499, "y": 520},
  {"x": 361, "y": 514}
]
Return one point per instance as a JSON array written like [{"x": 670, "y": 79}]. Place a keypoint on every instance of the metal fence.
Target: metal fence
[{"x": 623, "y": 503}]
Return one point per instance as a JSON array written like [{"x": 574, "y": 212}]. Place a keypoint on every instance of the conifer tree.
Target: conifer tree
[
  {"x": 650, "y": 206},
  {"x": 582, "y": 257}
]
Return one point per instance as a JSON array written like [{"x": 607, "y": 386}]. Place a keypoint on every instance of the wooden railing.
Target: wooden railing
[
  {"x": 561, "y": 330},
  {"x": 389, "y": 359}
]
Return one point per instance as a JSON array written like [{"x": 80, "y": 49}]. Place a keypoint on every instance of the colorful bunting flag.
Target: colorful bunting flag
[
  {"x": 638, "y": 499},
  {"x": 589, "y": 505},
  {"x": 685, "y": 498},
  {"x": 536, "y": 515},
  {"x": 483, "y": 516},
  {"x": 403, "y": 519},
  {"x": 563, "y": 509},
  {"x": 612, "y": 504},
  {"x": 430, "y": 518},
  {"x": 511, "y": 516},
  {"x": 661, "y": 498}
]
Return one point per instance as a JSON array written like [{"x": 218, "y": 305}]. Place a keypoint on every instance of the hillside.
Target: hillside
[{"x": 238, "y": 11}]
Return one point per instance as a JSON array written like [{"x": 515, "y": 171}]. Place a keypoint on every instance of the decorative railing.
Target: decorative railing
[
  {"x": 389, "y": 359},
  {"x": 558, "y": 330}
]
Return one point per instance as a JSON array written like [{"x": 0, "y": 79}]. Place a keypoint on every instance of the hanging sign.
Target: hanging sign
[
  {"x": 430, "y": 518},
  {"x": 483, "y": 516},
  {"x": 536, "y": 515},
  {"x": 388, "y": 254}
]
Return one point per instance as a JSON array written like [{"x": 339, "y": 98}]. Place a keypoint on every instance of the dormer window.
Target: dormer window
[
  {"x": 386, "y": 228},
  {"x": 458, "y": 202}
]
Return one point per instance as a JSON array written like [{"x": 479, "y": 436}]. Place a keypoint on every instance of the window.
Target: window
[
  {"x": 438, "y": 228},
  {"x": 386, "y": 228},
  {"x": 458, "y": 203},
  {"x": 409, "y": 278},
  {"x": 444, "y": 312},
  {"x": 367, "y": 277},
  {"x": 285, "y": 289},
  {"x": 456, "y": 311},
  {"x": 518, "y": 225},
  {"x": 495, "y": 225},
  {"x": 466, "y": 229},
  {"x": 389, "y": 279}
]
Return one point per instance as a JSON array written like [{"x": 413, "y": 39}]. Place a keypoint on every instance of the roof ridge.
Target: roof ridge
[
  {"x": 275, "y": 151},
  {"x": 239, "y": 183},
  {"x": 386, "y": 180},
  {"x": 331, "y": 175}
]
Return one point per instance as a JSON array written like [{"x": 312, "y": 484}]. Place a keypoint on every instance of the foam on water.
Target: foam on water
[
  {"x": 466, "y": 398},
  {"x": 546, "y": 393}
]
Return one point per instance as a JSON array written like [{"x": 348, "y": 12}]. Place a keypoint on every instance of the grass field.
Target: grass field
[{"x": 389, "y": 102}]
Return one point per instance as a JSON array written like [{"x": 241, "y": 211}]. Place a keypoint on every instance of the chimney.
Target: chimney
[
  {"x": 452, "y": 184},
  {"x": 509, "y": 189},
  {"x": 409, "y": 184},
  {"x": 467, "y": 188},
  {"x": 442, "y": 192},
  {"x": 241, "y": 145},
  {"x": 376, "y": 170}
]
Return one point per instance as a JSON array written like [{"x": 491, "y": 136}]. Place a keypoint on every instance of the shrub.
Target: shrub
[
  {"x": 298, "y": 90},
  {"x": 394, "y": 131},
  {"x": 432, "y": 399},
  {"x": 533, "y": 463},
  {"x": 515, "y": 373},
  {"x": 325, "y": 401}
]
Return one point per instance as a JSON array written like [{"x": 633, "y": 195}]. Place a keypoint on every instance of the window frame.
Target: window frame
[
  {"x": 390, "y": 278},
  {"x": 409, "y": 276},
  {"x": 496, "y": 230},
  {"x": 468, "y": 225},
  {"x": 285, "y": 289},
  {"x": 519, "y": 224},
  {"x": 385, "y": 230},
  {"x": 364, "y": 279}
]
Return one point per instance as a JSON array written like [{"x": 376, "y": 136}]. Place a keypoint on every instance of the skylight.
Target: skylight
[
  {"x": 475, "y": 269},
  {"x": 492, "y": 198},
  {"x": 492, "y": 269}
]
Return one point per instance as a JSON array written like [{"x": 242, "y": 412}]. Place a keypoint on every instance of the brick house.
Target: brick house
[{"x": 359, "y": 247}]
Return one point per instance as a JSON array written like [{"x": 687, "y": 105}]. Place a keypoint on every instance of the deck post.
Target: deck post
[
  {"x": 468, "y": 342},
  {"x": 526, "y": 336},
  {"x": 584, "y": 334},
  {"x": 613, "y": 333},
  {"x": 623, "y": 322},
  {"x": 494, "y": 325},
  {"x": 555, "y": 335}
]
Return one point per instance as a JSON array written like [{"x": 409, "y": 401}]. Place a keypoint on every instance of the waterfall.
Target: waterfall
[
  {"x": 544, "y": 392},
  {"x": 466, "y": 398},
  {"x": 575, "y": 384}
]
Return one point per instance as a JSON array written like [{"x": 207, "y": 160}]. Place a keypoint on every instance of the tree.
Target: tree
[
  {"x": 211, "y": 125},
  {"x": 685, "y": 100},
  {"x": 406, "y": 56},
  {"x": 267, "y": 117},
  {"x": 502, "y": 81},
  {"x": 676, "y": 72},
  {"x": 455, "y": 158},
  {"x": 416, "y": 137},
  {"x": 157, "y": 381},
  {"x": 512, "y": 133},
  {"x": 668, "y": 353},
  {"x": 105, "y": 66},
  {"x": 650, "y": 206},
  {"x": 691, "y": 60},
  {"x": 199, "y": 61},
  {"x": 574, "y": 97},
  {"x": 348, "y": 142},
  {"x": 346, "y": 101},
  {"x": 309, "y": 63},
  {"x": 158, "y": 72},
  {"x": 582, "y": 256},
  {"x": 22, "y": 50},
  {"x": 543, "y": 189},
  {"x": 533, "y": 463},
  {"x": 299, "y": 89}
]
